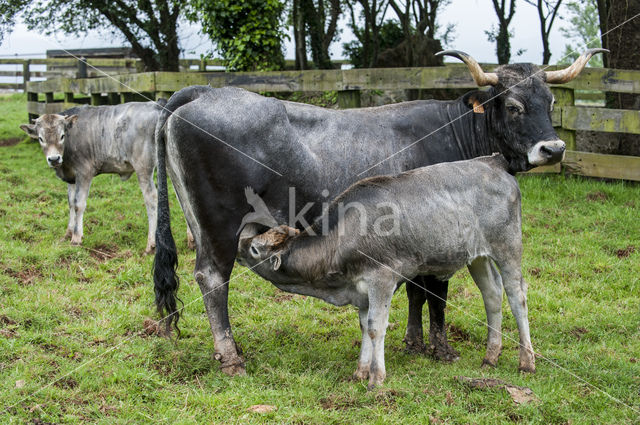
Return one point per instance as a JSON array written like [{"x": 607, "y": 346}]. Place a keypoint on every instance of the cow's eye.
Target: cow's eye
[
  {"x": 62, "y": 138},
  {"x": 513, "y": 109}
]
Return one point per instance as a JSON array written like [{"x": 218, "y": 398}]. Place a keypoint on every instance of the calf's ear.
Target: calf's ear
[
  {"x": 70, "y": 120},
  {"x": 30, "y": 129},
  {"x": 478, "y": 100},
  {"x": 276, "y": 261}
]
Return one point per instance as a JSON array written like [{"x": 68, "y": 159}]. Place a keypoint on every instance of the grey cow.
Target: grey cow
[
  {"x": 89, "y": 140},
  {"x": 385, "y": 230}
]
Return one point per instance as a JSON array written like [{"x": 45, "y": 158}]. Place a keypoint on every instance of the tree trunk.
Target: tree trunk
[
  {"x": 503, "y": 44},
  {"x": 299, "y": 36},
  {"x": 623, "y": 41}
]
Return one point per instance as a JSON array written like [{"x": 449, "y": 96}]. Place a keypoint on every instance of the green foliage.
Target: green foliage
[
  {"x": 9, "y": 10},
  {"x": 71, "y": 321},
  {"x": 583, "y": 30},
  {"x": 247, "y": 33},
  {"x": 390, "y": 36}
]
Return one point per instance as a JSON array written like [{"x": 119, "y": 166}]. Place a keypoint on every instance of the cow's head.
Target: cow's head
[
  {"x": 518, "y": 107},
  {"x": 50, "y": 130},
  {"x": 264, "y": 253}
]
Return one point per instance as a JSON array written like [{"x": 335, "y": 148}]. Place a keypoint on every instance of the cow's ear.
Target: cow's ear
[
  {"x": 477, "y": 100},
  {"x": 30, "y": 129},
  {"x": 70, "y": 120}
]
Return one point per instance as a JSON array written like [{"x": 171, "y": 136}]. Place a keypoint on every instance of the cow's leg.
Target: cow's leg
[
  {"x": 516, "y": 289},
  {"x": 71, "y": 196},
  {"x": 80, "y": 204},
  {"x": 191, "y": 242},
  {"x": 434, "y": 291},
  {"x": 150, "y": 195},
  {"x": 213, "y": 269},
  {"x": 366, "y": 347},
  {"x": 490, "y": 284},
  {"x": 380, "y": 293}
]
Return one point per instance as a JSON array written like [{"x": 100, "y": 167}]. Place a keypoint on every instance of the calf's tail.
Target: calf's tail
[{"x": 165, "y": 263}]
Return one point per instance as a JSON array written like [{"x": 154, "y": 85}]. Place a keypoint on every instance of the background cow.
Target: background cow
[
  {"x": 447, "y": 216},
  {"x": 216, "y": 142},
  {"x": 89, "y": 140}
]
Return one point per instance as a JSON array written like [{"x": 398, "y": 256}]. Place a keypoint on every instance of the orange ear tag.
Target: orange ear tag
[{"x": 477, "y": 107}]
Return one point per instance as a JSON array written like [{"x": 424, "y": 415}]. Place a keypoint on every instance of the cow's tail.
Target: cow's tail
[{"x": 165, "y": 279}]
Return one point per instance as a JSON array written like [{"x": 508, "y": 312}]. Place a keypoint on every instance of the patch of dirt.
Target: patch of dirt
[
  {"x": 578, "y": 332},
  {"x": 8, "y": 333},
  {"x": 535, "y": 272},
  {"x": 26, "y": 276},
  {"x": 283, "y": 297},
  {"x": 457, "y": 334},
  {"x": 597, "y": 196},
  {"x": 262, "y": 408},
  {"x": 6, "y": 320},
  {"x": 519, "y": 395},
  {"x": 386, "y": 397},
  {"x": 10, "y": 142},
  {"x": 337, "y": 402},
  {"x": 624, "y": 253},
  {"x": 103, "y": 252},
  {"x": 153, "y": 328},
  {"x": 67, "y": 383},
  {"x": 36, "y": 421}
]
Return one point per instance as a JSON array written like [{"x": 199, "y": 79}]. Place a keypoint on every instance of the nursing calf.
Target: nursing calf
[
  {"x": 385, "y": 230},
  {"x": 86, "y": 141}
]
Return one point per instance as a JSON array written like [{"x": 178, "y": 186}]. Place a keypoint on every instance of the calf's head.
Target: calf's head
[
  {"x": 50, "y": 130},
  {"x": 518, "y": 108},
  {"x": 264, "y": 253}
]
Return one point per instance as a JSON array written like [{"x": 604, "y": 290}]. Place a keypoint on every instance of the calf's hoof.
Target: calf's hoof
[
  {"x": 361, "y": 374},
  {"x": 150, "y": 250},
  {"x": 487, "y": 363},
  {"x": 530, "y": 368},
  {"x": 191, "y": 244},
  {"x": 76, "y": 242},
  {"x": 375, "y": 381}
]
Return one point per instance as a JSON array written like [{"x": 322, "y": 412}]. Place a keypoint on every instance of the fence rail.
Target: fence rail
[{"x": 44, "y": 97}]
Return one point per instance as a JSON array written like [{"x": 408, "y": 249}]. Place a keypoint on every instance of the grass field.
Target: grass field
[{"x": 73, "y": 347}]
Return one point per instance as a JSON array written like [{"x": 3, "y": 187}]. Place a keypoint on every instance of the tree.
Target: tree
[
  {"x": 364, "y": 51},
  {"x": 150, "y": 26},
  {"x": 9, "y": 9},
  {"x": 299, "y": 35},
  {"x": 320, "y": 19},
  {"x": 620, "y": 28},
  {"x": 247, "y": 33},
  {"x": 583, "y": 29},
  {"x": 389, "y": 36},
  {"x": 418, "y": 20},
  {"x": 501, "y": 35},
  {"x": 547, "y": 13}
]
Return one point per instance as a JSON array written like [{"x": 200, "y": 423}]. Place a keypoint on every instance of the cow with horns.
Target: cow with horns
[{"x": 214, "y": 142}]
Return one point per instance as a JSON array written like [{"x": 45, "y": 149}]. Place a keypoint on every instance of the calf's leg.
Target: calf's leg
[
  {"x": 366, "y": 347},
  {"x": 80, "y": 204},
  {"x": 71, "y": 196},
  {"x": 380, "y": 293},
  {"x": 434, "y": 291},
  {"x": 516, "y": 289},
  {"x": 150, "y": 195},
  {"x": 490, "y": 284}
]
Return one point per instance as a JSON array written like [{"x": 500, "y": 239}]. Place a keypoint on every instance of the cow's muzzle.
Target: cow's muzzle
[
  {"x": 547, "y": 152},
  {"x": 54, "y": 161}
]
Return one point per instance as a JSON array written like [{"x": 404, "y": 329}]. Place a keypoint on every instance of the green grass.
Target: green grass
[{"x": 75, "y": 313}]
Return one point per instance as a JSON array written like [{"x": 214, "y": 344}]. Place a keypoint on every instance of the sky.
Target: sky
[{"x": 472, "y": 18}]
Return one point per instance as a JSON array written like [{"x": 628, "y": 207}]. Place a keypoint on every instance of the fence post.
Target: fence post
[
  {"x": 82, "y": 68},
  {"x": 565, "y": 97},
  {"x": 31, "y": 97},
  {"x": 348, "y": 99},
  {"x": 26, "y": 74}
]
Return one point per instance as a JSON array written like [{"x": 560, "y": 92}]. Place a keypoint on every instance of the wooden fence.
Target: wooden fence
[{"x": 56, "y": 95}]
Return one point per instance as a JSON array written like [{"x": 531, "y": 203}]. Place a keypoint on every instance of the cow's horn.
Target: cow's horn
[
  {"x": 562, "y": 76},
  {"x": 479, "y": 76}
]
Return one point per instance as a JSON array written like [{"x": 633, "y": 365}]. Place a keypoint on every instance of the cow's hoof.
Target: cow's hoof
[
  {"x": 150, "y": 251},
  {"x": 415, "y": 346},
  {"x": 76, "y": 242},
  {"x": 191, "y": 244},
  {"x": 444, "y": 352},
  {"x": 236, "y": 369}
]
